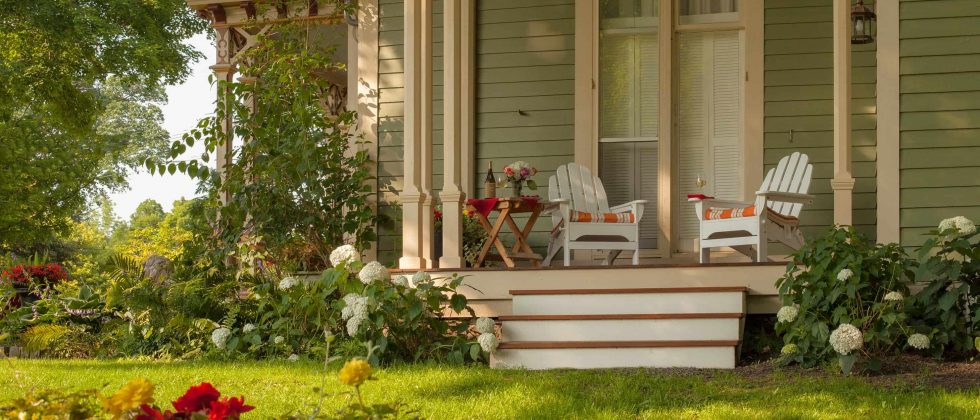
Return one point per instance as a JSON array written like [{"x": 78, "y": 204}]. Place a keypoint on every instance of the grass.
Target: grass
[{"x": 446, "y": 392}]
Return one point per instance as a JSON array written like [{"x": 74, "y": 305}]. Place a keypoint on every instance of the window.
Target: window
[
  {"x": 708, "y": 11},
  {"x": 629, "y": 98}
]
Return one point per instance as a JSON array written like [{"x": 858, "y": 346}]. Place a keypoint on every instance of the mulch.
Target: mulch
[{"x": 897, "y": 372}]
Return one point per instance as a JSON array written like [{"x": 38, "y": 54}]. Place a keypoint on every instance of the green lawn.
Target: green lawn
[{"x": 443, "y": 392}]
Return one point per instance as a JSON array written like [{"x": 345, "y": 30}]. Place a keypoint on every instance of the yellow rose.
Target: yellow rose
[
  {"x": 355, "y": 372},
  {"x": 131, "y": 396}
]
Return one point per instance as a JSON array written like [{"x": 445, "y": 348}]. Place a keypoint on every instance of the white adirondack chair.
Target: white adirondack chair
[
  {"x": 580, "y": 218},
  {"x": 743, "y": 226}
]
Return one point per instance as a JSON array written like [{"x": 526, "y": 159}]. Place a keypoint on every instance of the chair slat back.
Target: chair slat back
[
  {"x": 791, "y": 174},
  {"x": 576, "y": 183}
]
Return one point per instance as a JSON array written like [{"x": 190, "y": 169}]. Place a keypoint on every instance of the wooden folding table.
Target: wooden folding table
[{"x": 521, "y": 250}]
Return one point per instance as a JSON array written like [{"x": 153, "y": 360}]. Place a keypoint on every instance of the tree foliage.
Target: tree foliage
[
  {"x": 297, "y": 183},
  {"x": 80, "y": 82}
]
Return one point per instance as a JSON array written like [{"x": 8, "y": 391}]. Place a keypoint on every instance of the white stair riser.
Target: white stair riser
[
  {"x": 622, "y": 330},
  {"x": 629, "y": 303},
  {"x": 658, "y": 357}
]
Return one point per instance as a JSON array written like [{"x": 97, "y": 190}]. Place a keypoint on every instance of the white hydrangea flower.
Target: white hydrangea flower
[
  {"x": 846, "y": 338},
  {"x": 353, "y": 324},
  {"x": 894, "y": 297},
  {"x": 279, "y": 339},
  {"x": 919, "y": 341},
  {"x": 220, "y": 337},
  {"x": 964, "y": 225},
  {"x": 790, "y": 349},
  {"x": 288, "y": 283},
  {"x": 373, "y": 272},
  {"x": 787, "y": 314},
  {"x": 421, "y": 277},
  {"x": 484, "y": 325},
  {"x": 293, "y": 357},
  {"x": 845, "y": 274},
  {"x": 946, "y": 224},
  {"x": 488, "y": 342},
  {"x": 248, "y": 328},
  {"x": 354, "y": 305},
  {"x": 344, "y": 254},
  {"x": 400, "y": 281}
]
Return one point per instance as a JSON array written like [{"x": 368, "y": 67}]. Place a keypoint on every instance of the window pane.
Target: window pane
[
  {"x": 708, "y": 11},
  {"x": 628, "y": 14}
]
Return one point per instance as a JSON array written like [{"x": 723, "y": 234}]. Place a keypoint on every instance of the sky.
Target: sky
[{"x": 187, "y": 103}]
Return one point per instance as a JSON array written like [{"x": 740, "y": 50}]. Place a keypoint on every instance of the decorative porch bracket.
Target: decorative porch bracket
[{"x": 843, "y": 181}]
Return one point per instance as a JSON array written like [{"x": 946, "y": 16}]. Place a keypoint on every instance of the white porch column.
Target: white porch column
[
  {"x": 411, "y": 197},
  {"x": 425, "y": 92},
  {"x": 843, "y": 181},
  {"x": 888, "y": 179},
  {"x": 452, "y": 194}
]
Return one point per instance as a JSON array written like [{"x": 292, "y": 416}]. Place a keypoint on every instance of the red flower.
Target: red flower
[
  {"x": 509, "y": 171},
  {"x": 228, "y": 408},
  {"x": 437, "y": 214},
  {"x": 152, "y": 413},
  {"x": 197, "y": 398}
]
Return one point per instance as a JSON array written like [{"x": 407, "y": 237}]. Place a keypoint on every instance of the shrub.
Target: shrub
[
  {"x": 405, "y": 319},
  {"x": 946, "y": 309},
  {"x": 840, "y": 279}
]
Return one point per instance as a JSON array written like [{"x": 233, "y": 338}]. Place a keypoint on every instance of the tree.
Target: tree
[
  {"x": 298, "y": 184},
  {"x": 80, "y": 82},
  {"x": 148, "y": 214}
]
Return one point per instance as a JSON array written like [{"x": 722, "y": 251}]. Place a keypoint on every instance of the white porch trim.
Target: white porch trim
[
  {"x": 843, "y": 181},
  {"x": 888, "y": 106}
]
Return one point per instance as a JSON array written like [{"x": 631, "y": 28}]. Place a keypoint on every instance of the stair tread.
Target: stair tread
[
  {"x": 620, "y": 316},
  {"x": 706, "y": 289},
  {"x": 530, "y": 345}
]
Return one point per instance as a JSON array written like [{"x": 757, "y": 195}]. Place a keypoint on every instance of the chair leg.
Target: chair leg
[
  {"x": 762, "y": 250},
  {"x": 636, "y": 255},
  {"x": 553, "y": 247},
  {"x": 611, "y": 257},
  {"x": 568, "y": 252},
  {"x": 705, "y": 256}
]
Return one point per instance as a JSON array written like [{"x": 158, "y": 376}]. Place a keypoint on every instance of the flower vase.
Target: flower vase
[{"x": 515, "y": 192}]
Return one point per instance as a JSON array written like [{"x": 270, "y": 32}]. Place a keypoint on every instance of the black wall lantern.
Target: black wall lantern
[{"x": 862, "y": 24}]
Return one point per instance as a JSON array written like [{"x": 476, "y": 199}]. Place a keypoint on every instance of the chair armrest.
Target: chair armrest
[
  {"x": 635, "y": 206},
  {"x": 786, "y": 197},
  {"x": 626, "y": 206},
  {"x": 560, "y": 200}
]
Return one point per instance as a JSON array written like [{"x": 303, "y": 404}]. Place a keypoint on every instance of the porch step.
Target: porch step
[
  {"x": 678, "y": 300},
  {"x": 697, "y": 327},
  {"x": 707, "y": 354},
  {"x": 570, "y": 328}
]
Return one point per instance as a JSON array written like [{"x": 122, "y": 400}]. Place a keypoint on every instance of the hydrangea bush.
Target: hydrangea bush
[
  {"x": 845, "y": 283},
  {"x": 407, "y": 318},
  {"x": 946, "y": 310}
]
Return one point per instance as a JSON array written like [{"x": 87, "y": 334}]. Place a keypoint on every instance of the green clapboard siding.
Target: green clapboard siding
[
  {"x": 940, "y": 114},
  {"x": 799, "y": 110},
  {"x": 525, "y": 60},
  {"x": 391, "y": 113}
]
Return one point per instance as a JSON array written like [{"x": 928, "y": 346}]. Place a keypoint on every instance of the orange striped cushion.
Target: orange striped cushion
[
  {"x": 716, "y": 213},
  {"x": 585, "y": 217}
]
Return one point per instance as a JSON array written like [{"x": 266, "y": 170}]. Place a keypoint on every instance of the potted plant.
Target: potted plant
[{"x": 518, "y": 174}]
